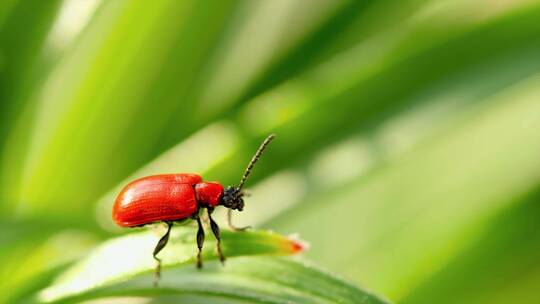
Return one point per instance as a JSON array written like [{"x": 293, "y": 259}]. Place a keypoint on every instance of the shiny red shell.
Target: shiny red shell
[
  {"x": 208, "y": 194},
  {"x": 166, "y": 197}
]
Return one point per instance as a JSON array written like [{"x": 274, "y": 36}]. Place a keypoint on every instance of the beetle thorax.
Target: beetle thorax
[{"x": 208, "y": 193}]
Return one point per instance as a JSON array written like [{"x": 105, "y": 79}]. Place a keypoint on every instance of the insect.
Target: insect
[{"x": 171, "y": 198}]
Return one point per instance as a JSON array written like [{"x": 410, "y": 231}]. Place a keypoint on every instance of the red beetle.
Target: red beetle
[{"x": 171, "y": 198}]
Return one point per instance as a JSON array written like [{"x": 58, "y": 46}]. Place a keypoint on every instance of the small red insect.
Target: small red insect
[{"x": 172, "y": 198}]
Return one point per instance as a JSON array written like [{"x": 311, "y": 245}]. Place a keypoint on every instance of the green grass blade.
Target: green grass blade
[
  {"x": 125, "y": 257},
  {"x": 246, "y": 279},
  {"x": 32, "y": 252}
]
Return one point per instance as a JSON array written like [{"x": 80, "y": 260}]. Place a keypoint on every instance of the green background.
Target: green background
[{"x": 408, "y": 132}]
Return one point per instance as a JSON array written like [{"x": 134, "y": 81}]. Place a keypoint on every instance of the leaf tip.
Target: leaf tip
[{"x": 296, "y": 244}]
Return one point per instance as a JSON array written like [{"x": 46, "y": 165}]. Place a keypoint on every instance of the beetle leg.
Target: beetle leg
[
  {"x": 160, "y": 245},
  {"x": 200, "y": 242},
  {"x": 229, "y": 222},
  {"x": 215, "y": 230}
]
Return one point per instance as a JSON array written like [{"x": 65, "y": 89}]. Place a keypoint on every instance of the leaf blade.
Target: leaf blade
[
  {"x": 249, "y": 279},
  {"x": 129, "y": 256}
]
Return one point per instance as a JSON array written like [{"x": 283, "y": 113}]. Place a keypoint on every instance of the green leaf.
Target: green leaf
[
  {"x": 125, "y": 257},
  {"x": 33, "y": 252},
  {"x": 244, "y": 280}
]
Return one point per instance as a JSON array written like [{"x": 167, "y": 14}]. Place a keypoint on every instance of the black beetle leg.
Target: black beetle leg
[
  {"x": 160, "y": 245},
  {"x": 215, "y": 230},
  {"x": 200, "y": 242},
  {"x": 229, "y": 222}
]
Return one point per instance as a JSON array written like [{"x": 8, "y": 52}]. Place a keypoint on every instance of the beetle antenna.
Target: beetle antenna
[{"x": 254, "y": 160}]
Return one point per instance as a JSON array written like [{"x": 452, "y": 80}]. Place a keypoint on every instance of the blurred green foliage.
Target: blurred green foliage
[{"x": 408, "y": 132}]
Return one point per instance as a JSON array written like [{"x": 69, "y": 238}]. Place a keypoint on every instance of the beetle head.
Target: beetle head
[{"x": 232, "y": 198}]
